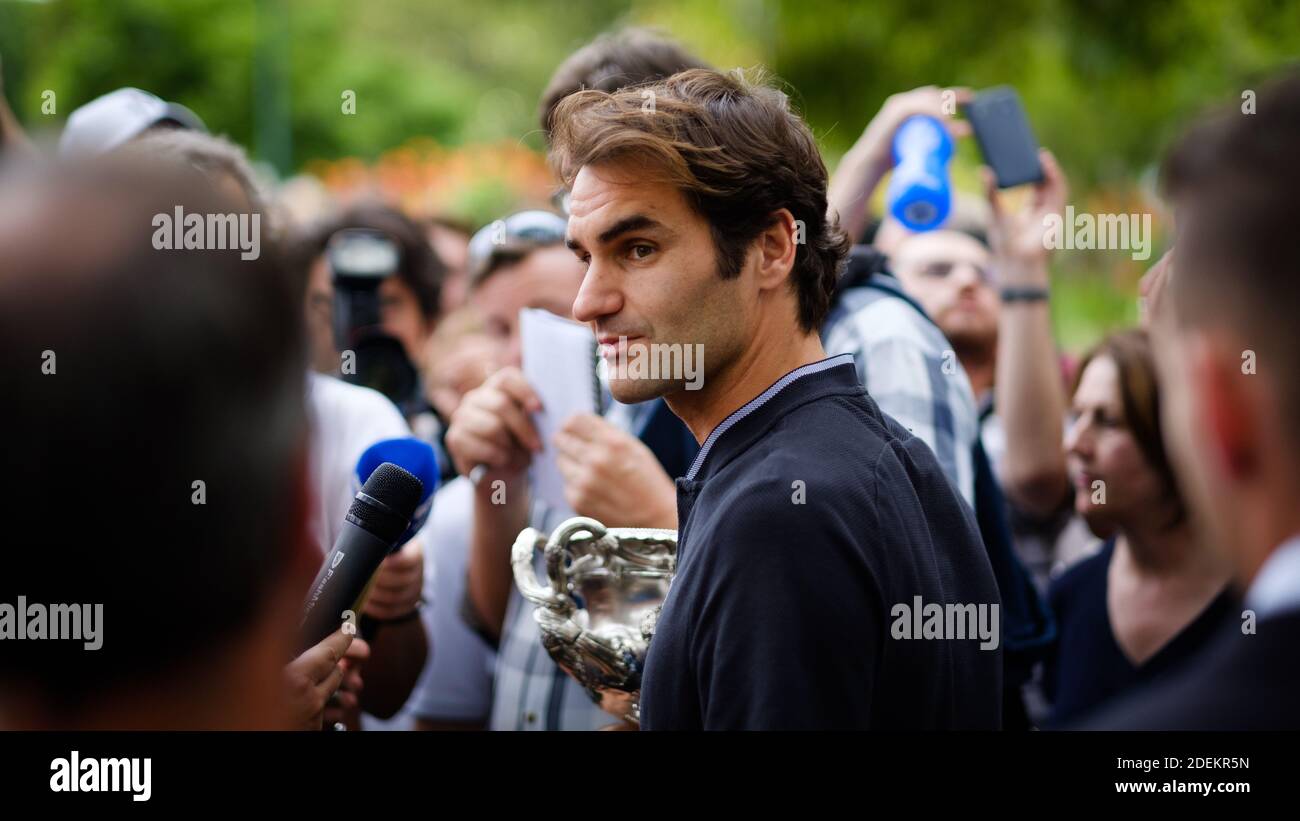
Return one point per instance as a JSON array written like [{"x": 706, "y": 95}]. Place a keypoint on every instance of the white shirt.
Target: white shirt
[
  {"x": 456, "y": 684},
  {"x": 1276, "y": 588},
  {"x": 345, "y": 420}
]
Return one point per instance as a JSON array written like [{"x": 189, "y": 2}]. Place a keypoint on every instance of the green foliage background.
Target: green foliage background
[{"x": 1107, "y": 83}]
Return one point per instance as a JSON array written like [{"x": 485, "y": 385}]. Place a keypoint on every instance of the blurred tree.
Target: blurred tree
[{"x": 1107, "y": 83}]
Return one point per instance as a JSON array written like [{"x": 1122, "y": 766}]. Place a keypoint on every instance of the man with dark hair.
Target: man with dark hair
[
  {"x": 809, "y": 518},
  {"x": 158, "y": 395},
  {"x": 409, "y": 298},
  {"x": 1228, "y": 356},
  {"x": 628, "y": 57}
]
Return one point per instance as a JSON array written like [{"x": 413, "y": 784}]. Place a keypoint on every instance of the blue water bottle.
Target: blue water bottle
[{"x": 919, "y": 193}]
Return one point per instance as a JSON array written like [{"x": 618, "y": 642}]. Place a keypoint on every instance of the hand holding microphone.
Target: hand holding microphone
[{"x": 313, "y": 676}]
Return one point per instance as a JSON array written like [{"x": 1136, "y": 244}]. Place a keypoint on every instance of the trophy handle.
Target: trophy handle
[
  {"x": 521, "y": 560},
  {"x": 555, "y": 548}
]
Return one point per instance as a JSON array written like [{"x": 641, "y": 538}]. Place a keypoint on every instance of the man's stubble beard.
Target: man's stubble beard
[{"x": 972, "y": 344}]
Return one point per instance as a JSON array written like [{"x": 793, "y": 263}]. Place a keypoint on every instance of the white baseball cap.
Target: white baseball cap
[{"x": 108, "y": 122}]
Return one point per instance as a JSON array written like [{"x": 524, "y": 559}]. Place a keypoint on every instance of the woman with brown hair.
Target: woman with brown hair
[{"x": 1152, "y": 596}]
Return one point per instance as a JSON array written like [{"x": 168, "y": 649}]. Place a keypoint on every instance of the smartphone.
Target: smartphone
[{"x": 1004, "y": 136}]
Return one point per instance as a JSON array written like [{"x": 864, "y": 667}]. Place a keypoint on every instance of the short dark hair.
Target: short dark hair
[
  {"x": 131, "y": 374},
  {"x": 1234, "y": 178},
  {"x": 629, "y": 57},
  {"x": 734, "y": 148},
  {"x": 420, "y": 267}
]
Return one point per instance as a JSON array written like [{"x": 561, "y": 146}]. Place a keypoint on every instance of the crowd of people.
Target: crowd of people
[{"x": 1130, "y": 515}]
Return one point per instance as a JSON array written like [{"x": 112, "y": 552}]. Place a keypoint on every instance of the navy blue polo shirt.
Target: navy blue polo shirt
[{"x": 806, "y": 517}]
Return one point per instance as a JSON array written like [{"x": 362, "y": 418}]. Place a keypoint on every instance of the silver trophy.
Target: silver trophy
[{"x": 597, "y": 613}]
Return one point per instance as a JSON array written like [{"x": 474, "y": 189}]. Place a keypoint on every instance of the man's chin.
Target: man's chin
[
  {"x": 969, "y": 335},
  {"x": 631, "y": 391}
]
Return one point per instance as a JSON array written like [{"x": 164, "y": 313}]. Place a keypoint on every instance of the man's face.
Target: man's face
[
  {"x": 400, "y": 317},
  {"x": 949, "y": 274},
  {"x": 548, "y": 278},
  {"x": 652, "y": 278}
]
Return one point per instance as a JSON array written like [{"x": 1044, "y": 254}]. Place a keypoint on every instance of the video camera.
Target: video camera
[{"x": 359, "y": 260}]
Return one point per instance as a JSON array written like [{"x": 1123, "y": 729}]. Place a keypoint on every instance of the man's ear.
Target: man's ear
[
  {"x": 777, "y": 246},
  {"x": 1228, "y": 401}
]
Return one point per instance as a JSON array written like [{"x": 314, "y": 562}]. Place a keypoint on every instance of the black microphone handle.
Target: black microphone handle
[{"x": 356, "y": 555}]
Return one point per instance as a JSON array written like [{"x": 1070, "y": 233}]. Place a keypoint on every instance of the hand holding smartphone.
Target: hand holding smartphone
[{"x": 1005, "y": 137}]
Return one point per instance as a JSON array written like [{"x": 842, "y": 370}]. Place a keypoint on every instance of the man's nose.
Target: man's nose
[
  {"x": 598, "y": 296},
  {"x": 966, "y": 276}
]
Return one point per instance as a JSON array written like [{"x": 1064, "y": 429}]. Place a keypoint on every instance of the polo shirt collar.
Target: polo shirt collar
[{"x": 834, "y": 375}]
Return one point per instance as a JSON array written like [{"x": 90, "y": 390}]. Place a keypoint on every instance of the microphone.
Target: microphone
[
  {"x": 373, "y": 528},
  {"x": 417, "y": 458}
]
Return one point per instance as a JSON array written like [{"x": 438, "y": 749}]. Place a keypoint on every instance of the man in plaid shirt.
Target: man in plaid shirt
[{"x": 905, "y": 363}]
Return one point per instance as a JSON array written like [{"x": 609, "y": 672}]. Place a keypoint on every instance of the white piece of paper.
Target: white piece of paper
[{"x": 559, "y": 365}]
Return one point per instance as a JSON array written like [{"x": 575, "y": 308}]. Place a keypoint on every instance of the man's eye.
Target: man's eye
[{"x": 642, "y": 251}]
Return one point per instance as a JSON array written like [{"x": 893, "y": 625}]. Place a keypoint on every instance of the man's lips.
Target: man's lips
[{"x": 610, "y": 345}]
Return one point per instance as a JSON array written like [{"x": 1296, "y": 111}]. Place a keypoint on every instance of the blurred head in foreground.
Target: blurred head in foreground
[
  {"x": 154, "y": 403},
  {"x": 1226, "y": 338}
]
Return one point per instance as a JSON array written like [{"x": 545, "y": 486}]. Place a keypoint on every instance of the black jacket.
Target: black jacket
[{"x": 808, "y": 517}]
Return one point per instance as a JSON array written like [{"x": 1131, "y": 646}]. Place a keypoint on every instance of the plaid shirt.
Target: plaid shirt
[
  {"x": 531, "y": 692},
  {"x": 908, "y": 367}
]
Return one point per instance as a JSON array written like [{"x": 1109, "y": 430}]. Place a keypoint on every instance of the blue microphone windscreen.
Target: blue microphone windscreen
[{"x": 415, "y": 456}]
